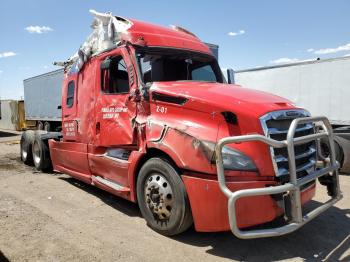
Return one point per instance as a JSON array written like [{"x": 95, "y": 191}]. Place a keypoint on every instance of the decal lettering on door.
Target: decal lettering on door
[
  {"x": 112, "y": 112},
  {"x": 70, "y": 129}
]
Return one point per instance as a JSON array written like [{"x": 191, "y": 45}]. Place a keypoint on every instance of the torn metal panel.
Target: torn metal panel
[
  {"x": 156, "y": 131},
  {"x": 106, "y": 34},
  {"x": 187, "y": 151}
]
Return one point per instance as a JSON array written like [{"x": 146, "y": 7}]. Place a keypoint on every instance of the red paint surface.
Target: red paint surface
[
  {"x": 155, "y": 35},
  {"x": 178, "y": 131},
  {"x": 70, "y": 158},
  {"x": 209, "y": 204}
]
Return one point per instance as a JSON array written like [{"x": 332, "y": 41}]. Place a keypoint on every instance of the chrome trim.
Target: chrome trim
[
  {"x": 306, "y": 167},
  {"x": 276, "y": 115},
  {"x": 293, "y": 186},
  {"x": 119, "y": 160},
  {"x": 275, "y": 131},
  {"x": 108, "y": 183},
  {"x": 311, "y": 151}
]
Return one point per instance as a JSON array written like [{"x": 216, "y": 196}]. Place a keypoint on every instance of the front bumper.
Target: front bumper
[
  {"x": 209, "y": 204},
  {"x": 297, "y": 219}
]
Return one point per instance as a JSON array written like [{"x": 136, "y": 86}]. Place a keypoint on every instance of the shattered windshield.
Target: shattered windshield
[{"x": 160, "y": 64}]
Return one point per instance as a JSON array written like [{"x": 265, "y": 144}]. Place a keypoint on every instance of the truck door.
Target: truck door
[
  {"x": 69, "y": 108},
  {"x": 115, "y": 110},
  {"x": 70, "y": 156}
]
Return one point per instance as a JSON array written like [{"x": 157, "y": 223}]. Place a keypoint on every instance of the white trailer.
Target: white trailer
[
  {"x": 321, "y": 86},
  {"x": 42, "y": 100}
]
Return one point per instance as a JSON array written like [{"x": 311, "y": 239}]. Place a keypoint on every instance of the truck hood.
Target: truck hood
[
  {"x": 202, "y": 111},
  {"x": 211, "y": 97}
]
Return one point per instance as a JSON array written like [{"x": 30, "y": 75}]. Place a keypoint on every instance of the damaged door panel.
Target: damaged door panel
[{"x": 115, "y": 111}]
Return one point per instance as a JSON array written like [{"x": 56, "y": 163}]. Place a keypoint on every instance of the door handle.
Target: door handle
[{"x": 98, "y": 128}]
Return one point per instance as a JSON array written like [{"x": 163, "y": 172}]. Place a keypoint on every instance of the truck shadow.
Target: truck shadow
[
  {"x": 7, "y": 134},
  {"x": 3, "y": 258},
  {"x": 118, "y": 203},
  {"x": 325, "y": 238}
]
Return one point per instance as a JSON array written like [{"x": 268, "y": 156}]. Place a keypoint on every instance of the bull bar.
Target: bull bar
[{"x": 293, "y": 186}]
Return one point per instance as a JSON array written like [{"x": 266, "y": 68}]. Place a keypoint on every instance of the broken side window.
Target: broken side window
[{"x": 115, "y": 79}]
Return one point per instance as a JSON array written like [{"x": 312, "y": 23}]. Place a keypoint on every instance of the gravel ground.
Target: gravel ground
[{"x": 52, "y": 217}]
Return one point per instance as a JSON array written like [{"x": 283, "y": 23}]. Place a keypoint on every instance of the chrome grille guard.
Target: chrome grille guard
[{"x": 294, "y": 184}]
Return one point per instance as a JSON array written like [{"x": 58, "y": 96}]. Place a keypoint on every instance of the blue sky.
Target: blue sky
[{"x": 34, "y": 33}]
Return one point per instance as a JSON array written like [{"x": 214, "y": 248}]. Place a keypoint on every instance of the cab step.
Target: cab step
[{"x": 110, "y": 184}]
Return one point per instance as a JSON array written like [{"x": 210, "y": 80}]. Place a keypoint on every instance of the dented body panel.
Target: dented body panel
[{"x": 110, "y": 135}]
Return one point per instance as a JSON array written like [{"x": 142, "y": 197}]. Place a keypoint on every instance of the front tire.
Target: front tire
[{"x": 162, "y": 198}]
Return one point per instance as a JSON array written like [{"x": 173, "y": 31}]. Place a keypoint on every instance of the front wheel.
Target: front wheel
[{"x": 162, "y": 198}]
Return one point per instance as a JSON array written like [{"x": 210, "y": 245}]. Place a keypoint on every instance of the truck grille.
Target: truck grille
[{"x": 276, "y": 125}]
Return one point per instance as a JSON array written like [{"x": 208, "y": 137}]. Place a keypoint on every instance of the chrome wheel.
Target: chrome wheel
[
  {"x": 159, "y": 197},
  {"x": 36, "y": 154}
]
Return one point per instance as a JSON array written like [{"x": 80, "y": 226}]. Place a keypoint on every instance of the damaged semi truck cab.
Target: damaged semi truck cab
[{"x": 152, "y": 120}]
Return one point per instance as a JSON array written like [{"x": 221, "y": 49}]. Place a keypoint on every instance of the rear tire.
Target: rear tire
[
  {"x": 40, "y": 126},
  {"x": 41, "y": 154},
  {"x": 27, "y": 139},
  {"x": 162, "y": 198},
  {"x": 47, "y": 127}
]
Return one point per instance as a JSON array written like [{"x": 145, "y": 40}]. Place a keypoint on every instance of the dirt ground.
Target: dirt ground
[{"x": 52, "y": 217}]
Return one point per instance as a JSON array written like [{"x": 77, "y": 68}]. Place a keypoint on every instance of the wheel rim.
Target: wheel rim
[
  {"x": 36, "y": 153},
  {"x": 24, "y": 153},
  {"x": 159, "y": 196}
]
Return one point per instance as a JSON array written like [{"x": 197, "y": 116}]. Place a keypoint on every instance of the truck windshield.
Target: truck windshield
[{"x": 161, "y": 64}]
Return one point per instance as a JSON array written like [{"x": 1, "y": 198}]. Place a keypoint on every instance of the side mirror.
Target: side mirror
[
  {"x": 230, "y": 76},
  {"x": 59, "y": 107},
  {"x": 106, "y": 64}
]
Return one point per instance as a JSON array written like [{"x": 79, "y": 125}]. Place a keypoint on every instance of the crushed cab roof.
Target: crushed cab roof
[{"x": 109, "y": 31}]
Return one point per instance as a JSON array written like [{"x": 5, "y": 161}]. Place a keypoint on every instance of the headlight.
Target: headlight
[{"x": 236, "y": 160}]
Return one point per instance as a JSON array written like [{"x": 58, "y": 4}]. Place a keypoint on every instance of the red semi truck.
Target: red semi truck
[{"x": 153, "y": 120}]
